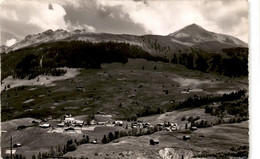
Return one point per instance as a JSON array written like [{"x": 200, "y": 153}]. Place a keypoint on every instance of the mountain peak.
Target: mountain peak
[
  {"x": 190, "y": 29},
  {"x": 194, "y": 34},
  {"x": 193, "y": 26}
]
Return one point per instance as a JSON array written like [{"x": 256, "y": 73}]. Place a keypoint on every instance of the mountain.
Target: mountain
[
  {"x": 196, "y": 36},
  {"x": 192, "y": 36}
]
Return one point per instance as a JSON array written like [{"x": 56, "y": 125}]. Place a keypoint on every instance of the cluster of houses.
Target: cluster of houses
[
  {"x": 140, "y": 124},
  {"x": 69, "y": 121},
  {"x": 169, "y": 126}
]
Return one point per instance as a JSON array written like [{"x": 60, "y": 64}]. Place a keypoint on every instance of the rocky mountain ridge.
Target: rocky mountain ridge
[{"x": 191, "y": 36}]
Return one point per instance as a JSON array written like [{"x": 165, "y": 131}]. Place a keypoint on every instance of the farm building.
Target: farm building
[
  {"x": 118, "y": 123},
  {"x": 93, "y": 122},
  {"x": 154, "y": 142},
  {"x": 101, "y": 123},
  {"x": 193, "y": 128},
  {"x": 8, "y": 152},
  {"x": 69, "y": 120},
  {"x": 186, "y": 137},
  {"x": 79, "y": 123},
  {"x": 44, "y": 125},
  {"x": 17, "y": 145},
  {"x": 61, "y": 124}
]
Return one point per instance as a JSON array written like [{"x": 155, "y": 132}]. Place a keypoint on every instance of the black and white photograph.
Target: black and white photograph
[{"x": 133, "y": 79}]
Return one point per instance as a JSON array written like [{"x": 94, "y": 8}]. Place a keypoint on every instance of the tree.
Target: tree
[
  {"x": 116, "y": 134},
  {"x": 208, "y": 109},
  {"x": 83, "y": 141},
  {"x": 72, "y": 147},
  {"x": 104, "y": 140},
  {"x": 134, "y": 118},
  {"x": 111, "y": 136},
  {"x": 158, "y": 110}
]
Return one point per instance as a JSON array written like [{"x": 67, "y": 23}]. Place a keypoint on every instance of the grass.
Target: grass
[
  {"x": 105, "y": 89},
  {"x": 140, "y": 147},
  {"x": 113, "y": 84}
]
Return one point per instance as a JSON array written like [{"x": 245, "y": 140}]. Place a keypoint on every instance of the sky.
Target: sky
[{"x": 19, "y": 18}]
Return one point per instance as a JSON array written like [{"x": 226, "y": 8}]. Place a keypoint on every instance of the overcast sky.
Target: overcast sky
[{"x": 19, "y": 18}]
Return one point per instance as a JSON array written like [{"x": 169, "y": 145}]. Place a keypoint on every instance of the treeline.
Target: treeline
[
  {"x": 238, "y": 108},
  {"x": 47, "y": 57},
  {"x": 232, "y": 62},
  {"x": 197, "y": 101},
  {"x": 133, "y": 132},
  {"x": 238, "y": 152},
  {"x": 227, "y": 100}
]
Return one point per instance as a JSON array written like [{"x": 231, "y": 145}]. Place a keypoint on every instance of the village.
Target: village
[
  {"x": 77, "y": 126},
  {"x": 69, "y": 124}
]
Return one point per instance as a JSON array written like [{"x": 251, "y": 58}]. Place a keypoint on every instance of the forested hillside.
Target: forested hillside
[{"x": 48, "y": 57}]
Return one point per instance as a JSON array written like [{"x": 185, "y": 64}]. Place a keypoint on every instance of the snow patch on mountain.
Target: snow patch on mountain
[{"x": 183, "y": 43}]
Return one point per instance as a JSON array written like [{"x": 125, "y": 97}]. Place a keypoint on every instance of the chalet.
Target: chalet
[
  {"x": 93, "y": 122},
  {"x": 79, "y": 123},
  {"x": 61, "y": 124},
  {"x": 17, "y": 145},
  {"x": 154, "y": 142},
  {"x": 35, "y": 121},
  {"x": 101, "y": 113},
  {"x": 174, "y": 128},
  {"x": 118, "y": 123},
  {"x": 69, "y": 128},
  {"x": 146, "y": 125},
  {"x": 101, "y": 123},
  {"x": 94, "y": 142},
  {"x": 44, "y": 125},
  {"x": 160, "y": 124},
  {"x": 69, "y": 120},
  {"x": 193, "y": 128},
  {"x": 67, "y": 115},
  {"x": 186, "y": 137},
  {"x": 9, "y": 152}
]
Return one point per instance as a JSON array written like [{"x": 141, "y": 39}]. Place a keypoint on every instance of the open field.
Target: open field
[
  {"x": 116, "y": 89},
  {"x": 208, "y": 140}
]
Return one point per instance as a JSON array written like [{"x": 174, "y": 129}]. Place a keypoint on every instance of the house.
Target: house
[
  {"x": 69, "y": 120},
  {"x": 174, "y": 128},
  {"x": 70, "y": 128},
  {"x": 44, "y": 125},
  {"x": 8, "y": 152},
  {"x": 61, "y": 124},
  {"x": 94, "y": 142},
  {"x": 79, "y": 123},
  {"x": 146, "y": 125},
  {"x": 154, "y": 142},
  {"x": 118, "y": 123},
  {"x": 35, "y": 121},
  {"x": 93, "y": 122},
  {"x": 160, "y": 124},
  {"x": 186, "y": 137},
  {"x": 101, "y": 123},
  {"x": 193, "y": 128},
  {"x": 17, "y": 145}
]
